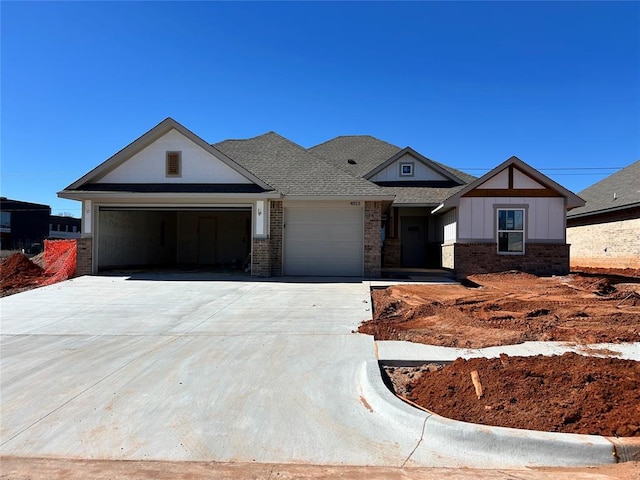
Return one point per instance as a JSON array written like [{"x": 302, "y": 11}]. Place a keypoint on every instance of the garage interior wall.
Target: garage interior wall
[
  {"x": 134, "y": 238},
  {"x": 166, "y": 238}
]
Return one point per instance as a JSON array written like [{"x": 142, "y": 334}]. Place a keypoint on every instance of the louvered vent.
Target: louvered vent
[{"x": 173, "y": 164}]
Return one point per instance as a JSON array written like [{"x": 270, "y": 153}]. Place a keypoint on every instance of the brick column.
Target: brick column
[
  {"x": 372, "y": 247},
  {"x": 261, "y": 257},
  {"x": 275, "y": 232},
  {"x": 84, "y": 256}
]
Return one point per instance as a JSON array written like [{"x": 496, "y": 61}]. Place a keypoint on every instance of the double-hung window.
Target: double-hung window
[{"x": 511, "y": 230}]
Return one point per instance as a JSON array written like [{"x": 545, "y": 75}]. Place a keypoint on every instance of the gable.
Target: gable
[
  {"x": 419, "y": 171},
  {"x": 511, "y": 182},
  {"x": 513, "y": 178},
  {"x": 150, "y": 164}
]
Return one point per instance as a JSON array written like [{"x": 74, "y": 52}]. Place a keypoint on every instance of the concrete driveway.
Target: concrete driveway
[{"x": 180, "y": 367}]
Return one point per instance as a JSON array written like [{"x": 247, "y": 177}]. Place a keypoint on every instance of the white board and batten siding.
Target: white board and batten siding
[
  {"x": 421, "y": 172},
  {"x": 324, "y": 239},
  {"x": 449, "y": 224},
  {"x": 545, "y": 217},
  {"x": 149, "y": 165}
]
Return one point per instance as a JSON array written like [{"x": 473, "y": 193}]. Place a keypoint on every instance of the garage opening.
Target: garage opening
[{"x": 216, "y": 238}]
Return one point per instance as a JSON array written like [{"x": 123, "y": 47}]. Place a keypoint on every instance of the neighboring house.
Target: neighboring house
[
  {"x": 605, "y": 232},
  {"x": 342, "y": 208},
  {"x": 23, "y": 225},
  {"x": 63, "y": 227}
]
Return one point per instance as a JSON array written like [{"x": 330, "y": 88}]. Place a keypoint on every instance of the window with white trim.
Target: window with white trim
[
  {"x": 406, "y": 169},
  {"x": 511, "y": 230}
]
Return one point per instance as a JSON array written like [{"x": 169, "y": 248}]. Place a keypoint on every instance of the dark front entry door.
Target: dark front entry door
[{"x": 414, "y": 241}]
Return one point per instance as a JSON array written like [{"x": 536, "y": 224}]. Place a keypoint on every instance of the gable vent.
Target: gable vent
[{"x": 173, "y": 164}]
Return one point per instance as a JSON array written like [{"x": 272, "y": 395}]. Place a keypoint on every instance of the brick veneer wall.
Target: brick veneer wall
[
  {"x": 612, "y": 244},
  {"x": 372, "y": 247},
  {"x": 261, "y": 257},
  {"x": 540, "y": 259},
  {"x": 392, "y": 250},
  {"x": 84, "y": 256},
  {"x": 275, "y": 232}
]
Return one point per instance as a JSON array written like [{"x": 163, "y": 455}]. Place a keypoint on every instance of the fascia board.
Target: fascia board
[
  {"x": 366, "y": 198},
  {"x": 82, "y": 195}
]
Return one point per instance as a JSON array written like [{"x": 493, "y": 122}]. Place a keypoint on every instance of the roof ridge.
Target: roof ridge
[{"x": 354, "y": 136}]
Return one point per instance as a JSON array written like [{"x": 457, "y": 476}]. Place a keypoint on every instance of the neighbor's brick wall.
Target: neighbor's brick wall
[
  {"x": 84, "y": 256},
  {"x": 372, "y": 247},
  {"x": 447, "y": 256},
  {"x": 275, "y": 232},
  {"x": 391, "y": 252},
  {"x": 540, "y": 259},
  {"x": 613, "y": 244}
]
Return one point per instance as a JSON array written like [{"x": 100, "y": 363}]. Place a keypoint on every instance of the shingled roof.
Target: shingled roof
[
  {"x": 359, "y": 155},
  {"x": 616, "y": 192},
  {"x": 366, "y": 153},
  {"x": 292, "y": 170}
]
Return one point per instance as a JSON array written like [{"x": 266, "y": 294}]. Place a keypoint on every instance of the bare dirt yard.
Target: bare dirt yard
[
  {"x": 509, "y": 308},
  {"x": 569, "y": 393}
]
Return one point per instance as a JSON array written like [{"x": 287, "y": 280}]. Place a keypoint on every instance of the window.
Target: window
[
  {"x": 406, "y": 169},
  {"x": 5, "y": 219},
  {"x": 174, "y": 164},
  {"x": 511, "y": 230}
]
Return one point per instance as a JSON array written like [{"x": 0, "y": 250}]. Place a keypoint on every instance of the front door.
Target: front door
[
  {"x": 414, "y": 241},
  {"x": 206, "y": 241}
]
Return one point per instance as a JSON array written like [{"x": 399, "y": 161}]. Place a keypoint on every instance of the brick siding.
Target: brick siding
[
  {"x": 261, "y": 257},
  {"x": 275, "y": 232},
  {"x": 391, "y": 252},
  {"x": 613, "y": 244},
  {"x": 84, "y": 256},
  {"x": 372, "y": 247},
  {"x": 540, "y": 259}
]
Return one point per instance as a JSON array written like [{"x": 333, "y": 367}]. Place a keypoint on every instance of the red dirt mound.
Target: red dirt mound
[
  {"x": 569, "y": 393},
  {"x": 17, "y": 271}
]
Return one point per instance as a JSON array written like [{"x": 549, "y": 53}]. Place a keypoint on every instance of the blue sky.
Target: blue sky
[{"x": 466, "y": 84}]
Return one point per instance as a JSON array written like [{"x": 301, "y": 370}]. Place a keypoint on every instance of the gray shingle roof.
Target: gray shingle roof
[
  {"x": 427, "y": 196},
  {"x": 368, "y": 153},
  {"x": 292, "y": 170},
  {"x": 618, "y": 191}
]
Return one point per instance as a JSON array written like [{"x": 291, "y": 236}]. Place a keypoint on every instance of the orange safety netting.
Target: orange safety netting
[{"x": 59, "y": 260}]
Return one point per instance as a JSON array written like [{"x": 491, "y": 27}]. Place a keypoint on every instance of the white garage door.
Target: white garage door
[{"x": 323, "y": 241}]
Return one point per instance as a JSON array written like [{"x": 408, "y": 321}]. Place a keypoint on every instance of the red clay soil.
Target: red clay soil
[
  {"x": 18, "y": 273},
  {"x": 509, "y": 308},
  {"x": 569, "y": 393}
]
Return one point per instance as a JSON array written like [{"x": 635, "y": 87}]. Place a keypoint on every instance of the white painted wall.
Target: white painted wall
[
  {"x": 545, "y": 217},
  {"x": 420, "y": 172},
  {"x": 449, "y": 225},
  {"x": 520, "y": 180},
  {"x": 499, "y": 180},
  {"x": 134, "y": 238},
  {"x": 149, "y": 165}
]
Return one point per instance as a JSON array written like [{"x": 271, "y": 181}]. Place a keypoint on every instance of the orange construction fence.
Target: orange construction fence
[{"x": 59, "y": 260}]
